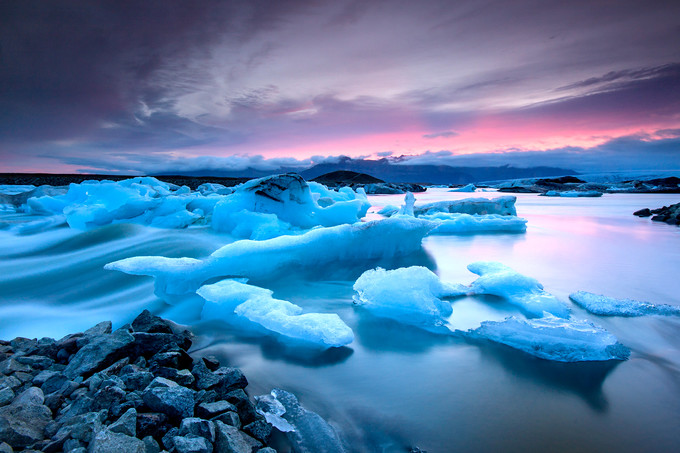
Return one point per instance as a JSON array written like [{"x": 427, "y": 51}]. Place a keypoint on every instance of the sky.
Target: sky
[{"x": 160, "y": 86}]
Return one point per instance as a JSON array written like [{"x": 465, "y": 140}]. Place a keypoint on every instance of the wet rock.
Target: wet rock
[
  {"x": 176, "y": 402},
  {"x": 151, "y": 423},
  {"x": 99, "y": 353},
  {"x": 137, "y": 380},
  {"x": 259, "y": 429},
  {"x": 22, "y": 423},
  {"x": 230, "y": 440},
  {"x": 151, "y": 445},
  {"x": 198, "y": 427},
  {"x": 6, "y": 396},
  {"x": 146, "y": 322},
  {"x": 108, "y": 442},
  {"x": 12, "y": 365},
  {"x": 229, "y": 418},
  {"x": 126, "y": 424},
  {"x": 36, "y": 362},
  {"x": 210, "y": 410},
  {"x": 191, "y": 445}
]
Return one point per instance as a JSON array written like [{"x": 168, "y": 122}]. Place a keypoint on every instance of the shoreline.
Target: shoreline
[{"x": 135, "y": 389}]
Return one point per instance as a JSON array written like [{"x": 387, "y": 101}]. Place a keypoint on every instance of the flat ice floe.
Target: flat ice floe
[
  {"x": 468, "y": 216},
  {"x": 411, "y": 295},
  {"x": 456, "y": 223},
  {"x": 552, "y": 338},
  {"x": 229, "y": 298},
  {"x": 524, "y": 292},
  {"x": 609, "y": 306},
  {"x": 573, "y": 193},
  {"x": 263, "y": 259}
]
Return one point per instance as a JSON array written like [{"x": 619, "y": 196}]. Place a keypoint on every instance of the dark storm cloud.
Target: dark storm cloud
[
  {"x": 70, "y": 65},
  {"x": 84, "y": 78},
  {"x": 656, "y": 151}
]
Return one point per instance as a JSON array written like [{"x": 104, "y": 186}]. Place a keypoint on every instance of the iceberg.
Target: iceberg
[
  {"x": 411, "y": 295},
  {"x": 608, "y": 306},
  {"x": 553, "y": 338},
  {"x": 144, "y": 200},
  {"x": 504, "y": 206},
  {"x": 466, "y": 188},
  {"x": 525, "y": 292},
  {"x": 456, "y": 223},
  {"x": 500, "y": 205},
  {"x": 229, "y": 297},
  {"x": 264, "y": 259},
  {"x": 289, "y": 198},
  {"x": 310, "y": 433}
]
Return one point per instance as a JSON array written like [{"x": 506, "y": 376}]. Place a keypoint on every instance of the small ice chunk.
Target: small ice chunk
[
  {"x": 407, "y": 207},
  {"x": 272, "y": 410},
  {"x": 457, "y": 223},
  {"x": 525, "y": 292},
  {"x": 573, "y": 193},
  {"x": 312, "y": 434},
  {"x": 467, "y": 188},
  {"x": 552, "y": 338},
  {"x": 412, "y": 295},
  {"x": 388, "y": 210},
  {"x": 229, "y": 297},
  {"x": 608, "y": 306}
]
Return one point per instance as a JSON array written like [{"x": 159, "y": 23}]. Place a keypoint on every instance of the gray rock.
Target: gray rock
[
  {"x": 53, "y": 384},
  {"x": 230, "y": 440},
  {"x": 151, "y": 445},
  {"x": 229, "y": 418},
  {"x": 107, "y": 442},
  {"x": 73, "y": 446},
  {"x": 205, "y": 379},
  {"x": 210, "y": 410},
  {"x": 266, "y": 450},
  {"x": 151, "y": 423},
  {"x": 23, "y": 422},
  {"x": 161, "y": 382},
  {"x": 36, "y": 362},
  {"x": 84, "y": 427},
  {"x": 254, "y": 443},
  {"x": 211, "y": 362},
  {"x": 43, "y": 376},
  {"x": 230, "y": 378},
  {"x": 23, "y": 377},
  {"x": 6, "y": 448},
  {"x": 185, "y": 378},
  {"x": 137, "y": 380},
  {"x": 198, "y": 427},
  {"x": 9, "y": 382},
  {"x": 191, "y": 445},
  {"x": 6, "y": 396},
  {"x": 168, "y": 439},
  {"x": 99, "y": 353},
  {"x": 108, "y": 397},
  {"x": 103, "y": 328},
  {"x": 146, "y": 322},
  {"x": 176, "y": 402},
  {"x": 126, "y": 424},
  {"x": 12, "y": 365},
  {"x": 24, "y": 346},
  {"x": 259, "y": 429},
  {"x": 79, "y": 406}
]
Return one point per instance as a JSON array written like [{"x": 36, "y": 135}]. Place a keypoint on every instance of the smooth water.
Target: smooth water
[{"x": 397, "y": 386}]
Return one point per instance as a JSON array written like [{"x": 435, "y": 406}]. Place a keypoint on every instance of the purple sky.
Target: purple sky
[{"x": 161, "y": 86}]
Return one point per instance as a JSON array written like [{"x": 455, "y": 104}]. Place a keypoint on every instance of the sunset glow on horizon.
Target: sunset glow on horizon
[{"x": 116, "y": 88}]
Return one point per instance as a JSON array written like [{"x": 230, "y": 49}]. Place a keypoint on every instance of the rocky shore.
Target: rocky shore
[
  {"x": 668, "y": 214},
  {"x": 135, "y": 389}
]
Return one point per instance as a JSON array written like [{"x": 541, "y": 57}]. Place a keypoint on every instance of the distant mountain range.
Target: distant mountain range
[{"x": 400, "y": 172}]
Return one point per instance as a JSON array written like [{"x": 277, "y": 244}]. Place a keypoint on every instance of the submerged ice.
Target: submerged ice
[
  {"x": 609, "y": 306},
  {"x": 229, "y": 297},
  {"x": 411, "y": 295},
  {"x": 553, "y": 338},
  {"x": 524, "y": 292}
]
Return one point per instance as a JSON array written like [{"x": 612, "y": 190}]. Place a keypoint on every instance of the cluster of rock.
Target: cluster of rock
[
  {"x": 135, "y": 389},
  {"x": 574, "y": 186},
  {"x": 372, "y": 185},
  {"x": 669, "y": 214}
]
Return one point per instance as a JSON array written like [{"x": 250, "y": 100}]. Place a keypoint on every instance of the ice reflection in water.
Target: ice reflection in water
[{"x": 395, "y": 385}]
